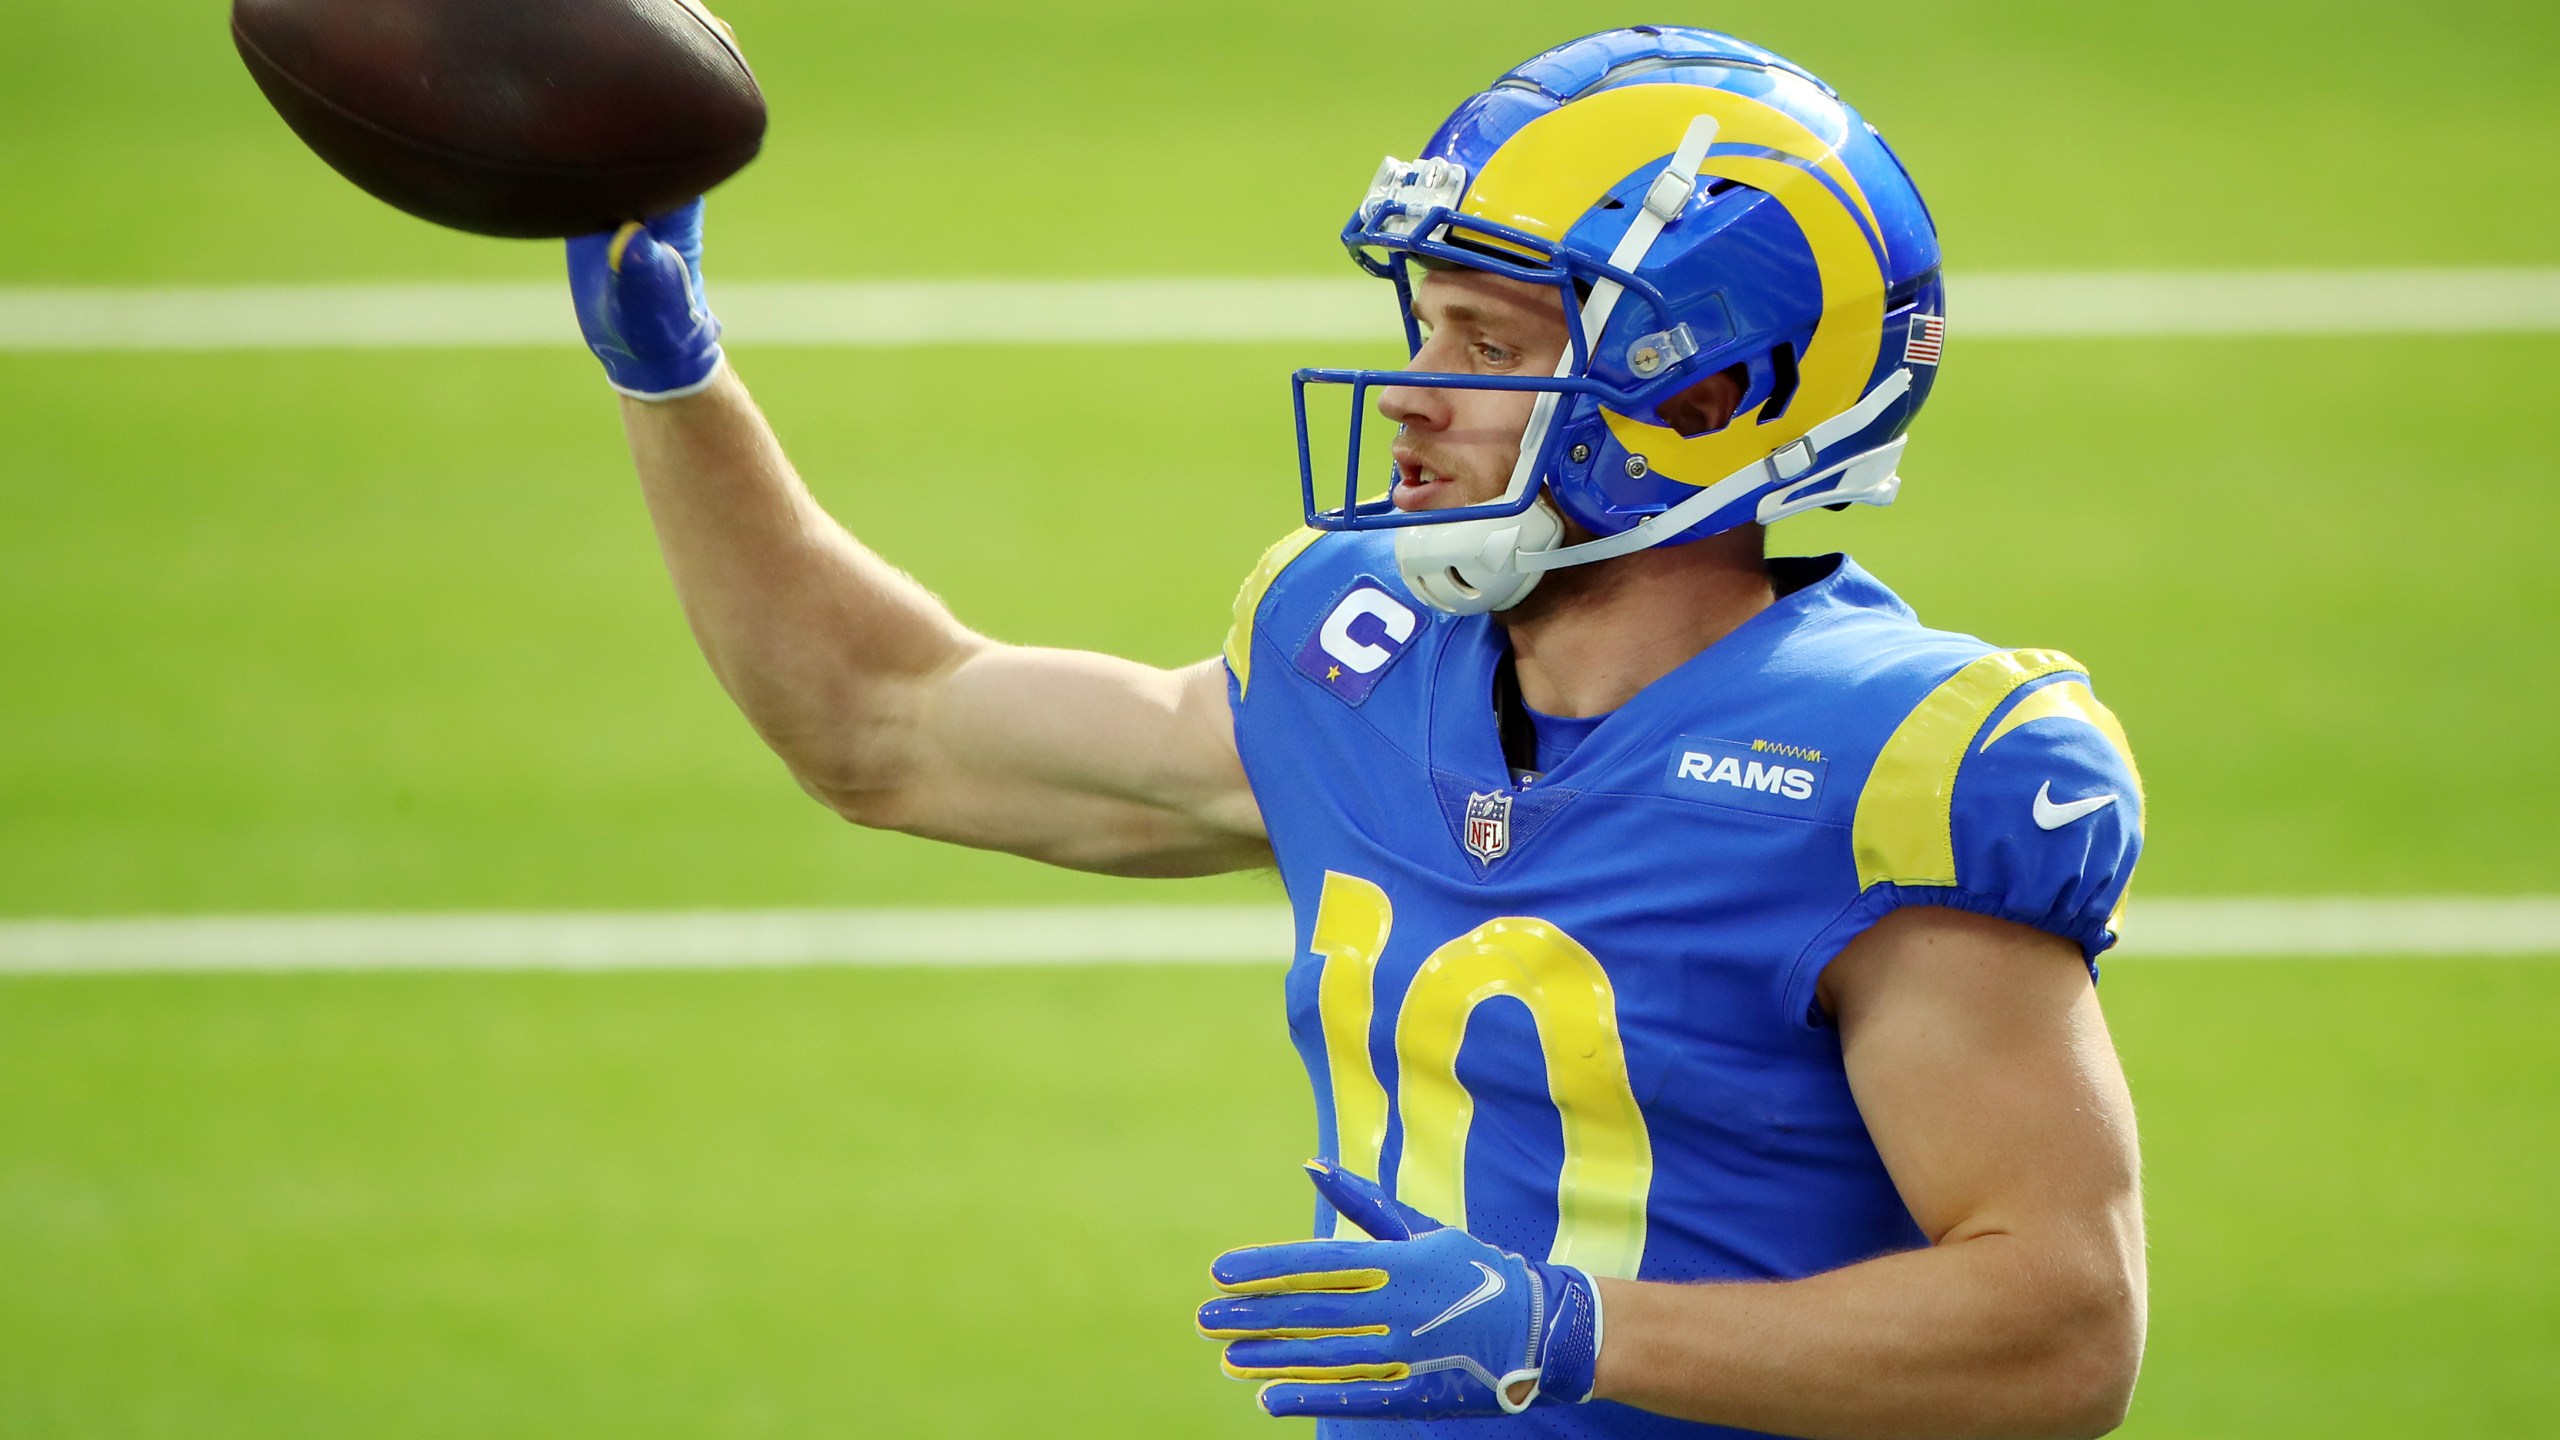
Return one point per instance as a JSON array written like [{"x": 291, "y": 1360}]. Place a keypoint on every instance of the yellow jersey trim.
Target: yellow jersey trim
[
  {"x": 2070, "y": 700},
  {"x": 1239, "y": 647},
  {"x": 1904, "y": 833},
  {"x": 2073, "y": 700}
]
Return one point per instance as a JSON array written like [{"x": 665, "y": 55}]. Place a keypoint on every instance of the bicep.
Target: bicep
[
  {"x": 1982, "y": 1065},
  {"x": 1078, "y": 759}
]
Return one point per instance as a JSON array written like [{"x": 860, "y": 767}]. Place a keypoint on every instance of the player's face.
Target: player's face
[{"x": 1457, "y": 447}]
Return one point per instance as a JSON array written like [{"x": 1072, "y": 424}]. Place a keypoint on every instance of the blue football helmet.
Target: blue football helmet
[{"x": 1697, "y": 204}]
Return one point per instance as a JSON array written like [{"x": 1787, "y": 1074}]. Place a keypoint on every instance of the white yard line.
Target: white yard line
[
  {"x": 715, "y": 939},
  {"x": 2241, "y": 303},
  {"x": 1084, "y": 935},
  {"x": 2333, "y": 926},
  {"x": 875, "y": 314}
]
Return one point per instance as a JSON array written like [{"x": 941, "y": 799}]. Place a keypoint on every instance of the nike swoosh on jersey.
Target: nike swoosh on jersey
[
  {"x": 2050, "y": 816},
  {"x": 1491, "y": 1287}
]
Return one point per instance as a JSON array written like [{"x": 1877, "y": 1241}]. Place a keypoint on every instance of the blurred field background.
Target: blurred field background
[{"x": 385, "y": 631}]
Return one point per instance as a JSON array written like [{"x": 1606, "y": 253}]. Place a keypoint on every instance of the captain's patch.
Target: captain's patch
[{"x": 1364, "y": 633}]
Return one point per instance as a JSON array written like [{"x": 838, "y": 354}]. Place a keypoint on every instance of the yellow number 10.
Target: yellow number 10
[{"x": 1608, "y": 1160}]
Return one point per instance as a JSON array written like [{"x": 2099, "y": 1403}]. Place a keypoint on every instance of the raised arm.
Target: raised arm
[{"x": 885, "y": 707}]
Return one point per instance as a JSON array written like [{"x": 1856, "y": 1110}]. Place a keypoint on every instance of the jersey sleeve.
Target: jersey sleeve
[
  {"x": 2009, "y": 791},
  {"x": 2046, "y": 819}
]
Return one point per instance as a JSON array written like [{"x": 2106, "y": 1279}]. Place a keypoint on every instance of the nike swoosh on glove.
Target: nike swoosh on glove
[
  {"x": 641, "y": 307},
  {"x": 1422, "y": 1323}
]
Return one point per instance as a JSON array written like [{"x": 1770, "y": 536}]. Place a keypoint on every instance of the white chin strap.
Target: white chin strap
[
  {"x": 1468, "y": 567},
  {"x": 1866, "y": 478},
  {"x": 1471, "y": 567}
]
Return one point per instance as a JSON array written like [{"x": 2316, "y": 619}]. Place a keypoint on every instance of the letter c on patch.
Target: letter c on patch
[{"x": 1360, "y": 655}]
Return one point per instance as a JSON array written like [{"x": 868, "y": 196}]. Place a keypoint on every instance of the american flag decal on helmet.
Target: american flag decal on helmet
[{"x": 1927, "y": 340}]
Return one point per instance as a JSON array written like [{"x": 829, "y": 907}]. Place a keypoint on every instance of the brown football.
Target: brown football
[{"x": 523, "y": 118}]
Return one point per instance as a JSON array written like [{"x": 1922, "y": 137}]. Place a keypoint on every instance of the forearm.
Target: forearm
[
  {"x": 1988, "y": 1336},
  {"x": 819, "y": 641}
]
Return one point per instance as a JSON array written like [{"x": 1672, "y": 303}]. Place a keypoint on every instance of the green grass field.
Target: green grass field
[{"x": 321, "y": 631}]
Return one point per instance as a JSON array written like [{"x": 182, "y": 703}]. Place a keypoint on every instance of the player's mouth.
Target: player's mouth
[{"x": 1419, "y": 487}]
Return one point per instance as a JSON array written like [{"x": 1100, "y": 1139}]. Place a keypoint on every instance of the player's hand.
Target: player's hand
[
  {"x": 1422, "y": 1323},
  {"x": 640, "y": 305}
]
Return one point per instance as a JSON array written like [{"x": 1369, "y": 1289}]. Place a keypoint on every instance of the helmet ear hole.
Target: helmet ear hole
[
  {"x": 1708, "y": 405},
  {"x": 1782, "y": 381},
  {"x": 1459, "y": 583}
]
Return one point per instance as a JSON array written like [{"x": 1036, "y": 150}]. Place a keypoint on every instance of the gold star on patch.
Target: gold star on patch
[{"x": 1333, "y": 673}]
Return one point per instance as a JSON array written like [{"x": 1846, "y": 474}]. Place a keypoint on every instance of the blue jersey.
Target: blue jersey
[{"x": 1577, "y": 1015}]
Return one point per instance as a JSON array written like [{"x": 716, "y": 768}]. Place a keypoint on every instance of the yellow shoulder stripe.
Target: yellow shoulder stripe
[
  {"x": 2061, "y": 700},
  {"x": 2073, "y": 700},
  {"x": 1249, "y": 600},
  {"x": 1904, "y": 832}
]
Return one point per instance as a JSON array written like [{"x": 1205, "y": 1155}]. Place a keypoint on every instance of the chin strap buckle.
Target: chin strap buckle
[{"x": 1671, "y": 190}]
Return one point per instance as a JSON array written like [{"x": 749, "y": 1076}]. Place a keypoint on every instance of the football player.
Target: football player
[{"x": 1695, "y": 952}]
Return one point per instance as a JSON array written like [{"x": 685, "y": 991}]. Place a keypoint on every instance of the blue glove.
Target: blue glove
[
  {"x": 639, "y": 294},
  {"x": 1422, "y": 1323}
]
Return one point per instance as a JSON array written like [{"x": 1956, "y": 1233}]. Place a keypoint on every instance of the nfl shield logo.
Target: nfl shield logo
[{"x": 1489, "y": 826}]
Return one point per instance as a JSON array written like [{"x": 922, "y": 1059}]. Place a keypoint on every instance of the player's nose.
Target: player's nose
[{"x": 1414, "y": 407}]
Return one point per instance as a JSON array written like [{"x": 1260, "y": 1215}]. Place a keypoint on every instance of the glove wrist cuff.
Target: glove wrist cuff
[
  {"x": 1570, "y": 1354},
  {"x": 711, "y": 374}
]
